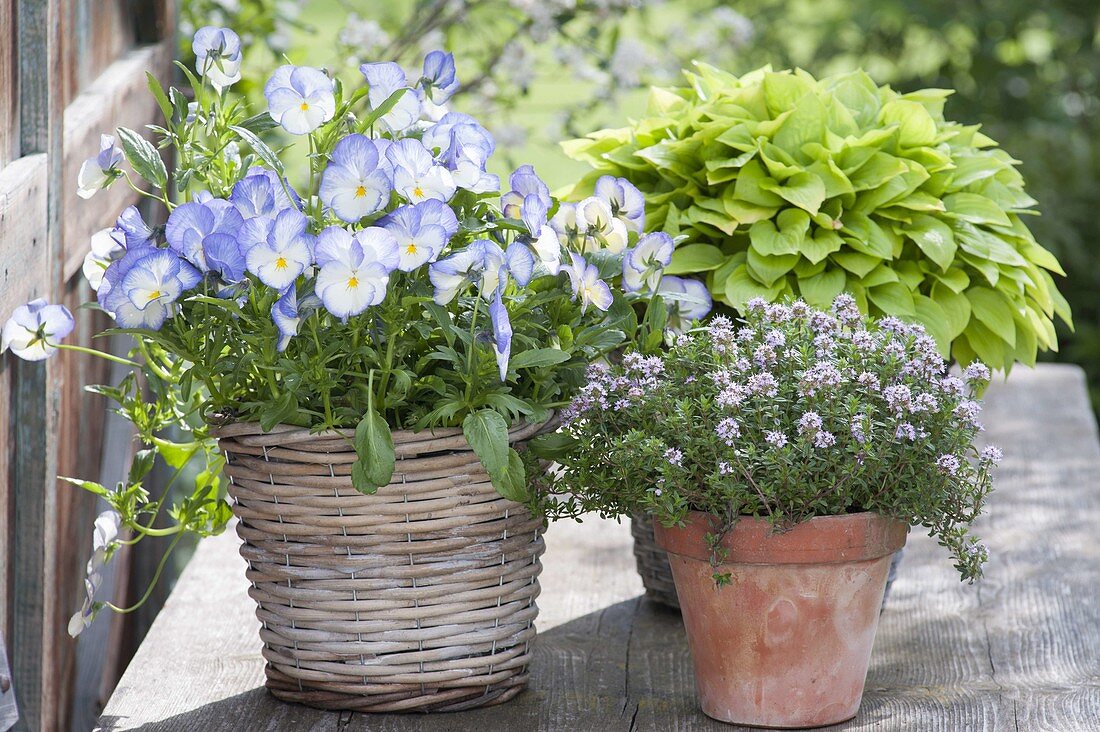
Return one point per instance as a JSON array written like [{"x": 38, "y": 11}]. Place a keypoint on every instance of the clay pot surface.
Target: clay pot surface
[{"x": 787, "y": 643}]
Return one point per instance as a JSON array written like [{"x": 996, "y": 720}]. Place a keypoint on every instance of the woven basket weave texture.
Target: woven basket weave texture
[
  {"x": 420, "y": 597},
  {"x": 652, "y": 562}
]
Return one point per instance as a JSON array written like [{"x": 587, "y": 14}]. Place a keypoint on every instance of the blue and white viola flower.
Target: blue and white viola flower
[
  {"x": 195, "y": 226},
  {"x": 422, "y": 231},
  {"x": 34, "y": 331},
  {"x": 502, "y": 331},
  {"x": 285, "y": 315},
  {"x": 353, "y": 185},
  {"x": 104, "y": 540},
  {"x": 300, "y": 98},
  {"x": 138, "y": 233},
  {"x": 384, "y": 80},
  {"x": 645, "y": 263},
  {"x": 158, "y": 277},
  {"x": 354, "y": 270},
  {"x": 480, "y": 262},
  {"x": 519, "y": 262},
  {"x": 262, "y": 193},
  {"x": 464, "y": 148},
  {"x": 416, "y": 175},
  {"x": 625, "y": 201},
  {"x": 107, "y": 245},
  {"x": 439, "y": 81},
  {"x": 98, "y": 172},
  {"x": 525, "y": 183},
  {"x": 113, "y": 298},
  {"x": 588, "y": 288},
  {"x": 217, "y": 56},
  {"x": 82, "y": 618},
  {"x": 541, "y": 237},
  {"x": 687, "y": 299},
  {"x": 283, "y": 253}
]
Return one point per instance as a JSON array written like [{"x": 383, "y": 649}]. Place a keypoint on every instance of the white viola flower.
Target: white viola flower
[
  {"x": 107, "y": 245},
  {"x": 594, "y": 214},
  {"x": 98, "y": 172},
  {"x": 615, "y": 237},
  {"x": 588, "y": 288},
  {"x": 217, "y": 55},
  {"x": 416, "y": 175},
  {"x": 104, "y": 535},
  {"x": 383, "y": 80},
  {"x": 354, "y": 185},
  {"x": 354, "y": 271},
  {"x": 300, "y": 98},
  {"x": 565, "y": 224},
  {"x": 547, "y": 248},
  {"x": 644, "y": 264},
  {"x": 34, "y": 330},
  {"x": 88, "y": 610}
]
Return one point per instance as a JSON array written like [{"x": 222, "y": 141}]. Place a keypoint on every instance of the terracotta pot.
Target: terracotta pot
[{"x": 787, "y": 643}]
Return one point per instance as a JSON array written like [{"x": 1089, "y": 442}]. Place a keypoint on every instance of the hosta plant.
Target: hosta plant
[
  {"x": 777, "y": 184},
  {"x": 790, "y": 414},
  {"x": 395, "y": 287}
]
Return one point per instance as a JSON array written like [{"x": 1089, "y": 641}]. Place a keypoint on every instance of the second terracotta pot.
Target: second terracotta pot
[{"x": 787, "y": 643}]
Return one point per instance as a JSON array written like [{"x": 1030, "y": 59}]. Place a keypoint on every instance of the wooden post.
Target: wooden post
[{"x": 35, "y": 389}]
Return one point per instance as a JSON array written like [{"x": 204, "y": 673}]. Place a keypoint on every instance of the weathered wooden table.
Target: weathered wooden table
[{"x": 1018, "y": 651}]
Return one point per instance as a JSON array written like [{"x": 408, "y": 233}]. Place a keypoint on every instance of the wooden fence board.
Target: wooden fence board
[{"x": 9, "y": 128}]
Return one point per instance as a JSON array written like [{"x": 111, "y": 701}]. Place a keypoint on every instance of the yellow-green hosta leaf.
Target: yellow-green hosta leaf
[
  {"x": 740, "y": 287},
  {"x": 804, "y": 190},
  {"x": 823, "y": 243},
  {"x": 955, "y": 307},
  {"x": 695, "y": 258},
  {"x": 880, "y": 275},
  {"x": 855, "y": 262},
  {"x": 766, "y": 270},
  {"x": 993, "y": 310},
  {"x": 748, "y": 187},
  {"x": 934, "y": 238},
  {"x": 793, "y": 227},
  {"x": 975, "y": 209},
  {"x": 821, "y": 289},
  {"x": 893, "y": 298},
  {"x": 934, "y": 320},
  {"x": 916, "y": 126}
]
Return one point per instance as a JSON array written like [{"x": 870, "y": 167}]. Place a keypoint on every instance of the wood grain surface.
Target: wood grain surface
[{"x": 1019, "y": 651}]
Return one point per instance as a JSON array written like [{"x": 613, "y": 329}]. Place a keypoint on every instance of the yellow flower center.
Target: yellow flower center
[
  {"x": 360, "y": 192},
  {"x": 418, "y": 192},
  {"x": 154, "y": 295},
  {"x": 280, "y": 263},
  {"x": 353, "y": 282},
  {"x": 305, "y": 106},
  {"x": 411, "y": 248}
]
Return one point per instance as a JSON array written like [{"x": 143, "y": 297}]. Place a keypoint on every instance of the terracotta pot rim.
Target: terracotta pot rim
[{"x": 851, "y": 537}]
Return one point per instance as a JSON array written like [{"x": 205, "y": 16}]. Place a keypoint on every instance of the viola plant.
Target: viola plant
[
  {"x": 793, "y": 413},
  {"x": 395, "y": 288}
]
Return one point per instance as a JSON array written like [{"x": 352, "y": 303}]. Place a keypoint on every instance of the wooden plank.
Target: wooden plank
[
  {"x": 9, "y": 129},
  {"x": 35, "y": 388},
  {"x": 1018, "y": 651},
  {"x": 117, "y": 98}
]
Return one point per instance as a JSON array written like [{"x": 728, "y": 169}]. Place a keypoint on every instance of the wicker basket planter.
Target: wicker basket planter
[
  {"x": 652, "y": 562},
  {"x": 420, "y": 597}
]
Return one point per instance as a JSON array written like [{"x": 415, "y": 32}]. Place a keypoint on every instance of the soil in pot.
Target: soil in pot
[{"x": 788, "y": 642}]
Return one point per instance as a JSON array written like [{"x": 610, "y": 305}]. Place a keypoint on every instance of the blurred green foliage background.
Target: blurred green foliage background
[{"x": 1029, "y": 71}]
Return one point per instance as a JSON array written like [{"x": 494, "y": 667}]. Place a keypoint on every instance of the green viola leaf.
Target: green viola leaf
[
  {"x": 537, "y": 358},
  {"x": 143, "y": 157},
  {"x": 374, "y": 452},
  {"x": 555, "y": 446},
  {"x": 693, "y": 258},
  {"x": 176, "y": 454},
  {"x": 261, "y": 149},
  {"x": 279, "y": 411}
]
